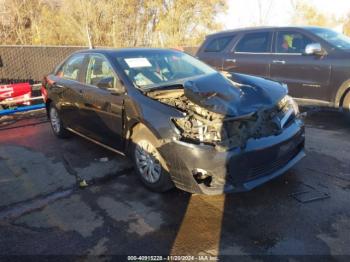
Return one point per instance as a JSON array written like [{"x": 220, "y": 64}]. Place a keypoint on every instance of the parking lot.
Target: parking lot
[{"x": 46, "y": 208}]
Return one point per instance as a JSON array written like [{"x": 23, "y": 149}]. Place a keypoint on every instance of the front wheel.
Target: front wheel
[
  {"x": 56, "y": 123},
  {"x": 149, "y": 164}
]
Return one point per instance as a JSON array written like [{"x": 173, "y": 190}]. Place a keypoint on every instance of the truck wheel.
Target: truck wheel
[
  {"x": 149, "y": 164},
  {"x": 56, "y": 123}
]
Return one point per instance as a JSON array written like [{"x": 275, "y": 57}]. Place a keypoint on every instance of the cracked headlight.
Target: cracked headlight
[
  {"x": 287, "y": 103},
  {"x": 293, "y": 104}
]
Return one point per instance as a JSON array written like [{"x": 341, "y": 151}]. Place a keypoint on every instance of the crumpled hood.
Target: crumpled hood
[{"x": 241, "y": 95}]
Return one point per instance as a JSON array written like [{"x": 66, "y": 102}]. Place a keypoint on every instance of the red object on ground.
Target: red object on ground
[{"x": 20, "y": 91}]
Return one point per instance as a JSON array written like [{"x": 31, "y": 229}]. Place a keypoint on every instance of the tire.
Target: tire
[
  {"x": 346, "y": 105},
  {"x": 149, "y": 165},
  {"x": 56, "y": 122}
]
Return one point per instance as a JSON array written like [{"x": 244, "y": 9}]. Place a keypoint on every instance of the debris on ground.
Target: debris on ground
[
  {"x": 83, "y": 183},
  {"x": 309, "y": 194},
  {"x": 103, "y": 159}
]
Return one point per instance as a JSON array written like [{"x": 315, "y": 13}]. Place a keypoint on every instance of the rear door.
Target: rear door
[
  {"x": 251, "y": 54},
  {"x": 67, "y": 88},
  {"x": 103, "y": 105},
  {"x": 213, "y": 50},
  {"x": 307, "y": 76}
]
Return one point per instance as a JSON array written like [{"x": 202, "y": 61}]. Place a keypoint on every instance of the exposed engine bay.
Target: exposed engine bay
[{"x": 200, "y": 125}]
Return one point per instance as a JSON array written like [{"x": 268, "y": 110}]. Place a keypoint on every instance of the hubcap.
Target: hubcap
[
  {"x": 55, "y": 120},
  {"x": 147, "y": 161}
]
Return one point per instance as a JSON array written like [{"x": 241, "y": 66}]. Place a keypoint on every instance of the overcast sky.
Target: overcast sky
[{"x": 245, "y": 13}]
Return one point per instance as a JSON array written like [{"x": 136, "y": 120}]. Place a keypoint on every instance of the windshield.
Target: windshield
[
  {"x": 334, "y": 38},
  {"x": 149, "y": 69}
]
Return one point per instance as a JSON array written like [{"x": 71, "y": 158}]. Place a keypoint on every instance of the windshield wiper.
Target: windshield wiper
[{"x": 167, "y": 85}]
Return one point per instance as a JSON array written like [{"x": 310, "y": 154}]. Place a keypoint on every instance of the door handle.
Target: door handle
[
  {"x": 231, "y": 60},
  {"x": 279, "y": 62}
]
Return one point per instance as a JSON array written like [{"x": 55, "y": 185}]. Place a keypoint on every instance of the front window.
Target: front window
[
  {"x": 98, "y": 71},
  {"x": 291, "y": 42},
  {"x": 148, "y": 69},
  {"x": 334, "y": 38}
]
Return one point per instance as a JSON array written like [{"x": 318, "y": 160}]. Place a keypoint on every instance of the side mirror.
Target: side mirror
[
  {"x": 314, "y": 49},
  {"x": 106, "y": 83},
  {"x": 116, "y": 91}
]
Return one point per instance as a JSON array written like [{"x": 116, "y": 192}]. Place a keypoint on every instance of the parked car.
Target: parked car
[
  {"x": 182, "y": 122},
  {"x": 313, "y": 61}
]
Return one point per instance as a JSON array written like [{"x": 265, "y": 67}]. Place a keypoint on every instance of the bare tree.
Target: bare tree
[
  {"x": 111, "y": 22},
  {"x": 307, "y": 14}
]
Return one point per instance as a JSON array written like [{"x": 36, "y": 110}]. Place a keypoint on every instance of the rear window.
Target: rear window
[
  {"x": 254, "y": 43},
  {"x": 218, "y": 44},
  {"x": 72, "y": 67}
]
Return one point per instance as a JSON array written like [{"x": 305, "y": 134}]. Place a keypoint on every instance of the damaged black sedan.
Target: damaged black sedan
[{"x": 182, "y": 122}]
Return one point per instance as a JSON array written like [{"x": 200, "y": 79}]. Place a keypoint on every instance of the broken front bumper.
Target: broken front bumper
[{"x": 238, "y": 169}]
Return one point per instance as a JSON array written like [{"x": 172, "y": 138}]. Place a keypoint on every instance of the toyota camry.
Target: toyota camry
[{"x": 182, "y": 123}]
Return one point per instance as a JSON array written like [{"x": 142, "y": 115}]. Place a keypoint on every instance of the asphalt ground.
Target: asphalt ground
[{"x": 44, "y": 210}]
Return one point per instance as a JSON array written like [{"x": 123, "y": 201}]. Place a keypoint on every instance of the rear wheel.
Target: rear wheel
[
  {"x": 149, "y": 164},
  {"x": 56, "y": 123}
]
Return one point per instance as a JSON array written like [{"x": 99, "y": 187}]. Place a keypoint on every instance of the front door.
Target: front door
[
  {"x": 103, "y": 103},
  {"x": 307, "y": 76}
]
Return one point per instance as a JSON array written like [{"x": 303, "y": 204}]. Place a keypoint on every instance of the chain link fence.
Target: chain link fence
[{"x": 30, "y": 63}]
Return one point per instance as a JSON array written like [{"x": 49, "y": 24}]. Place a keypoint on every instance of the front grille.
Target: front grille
[
  {"x": 268, "y": 168},
  {"x": 250, "y": 166}
]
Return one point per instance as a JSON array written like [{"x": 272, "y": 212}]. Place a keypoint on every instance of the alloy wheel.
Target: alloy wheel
[
  {"x": 55, "y": 120},
  {"x": 147, "y": 161}
]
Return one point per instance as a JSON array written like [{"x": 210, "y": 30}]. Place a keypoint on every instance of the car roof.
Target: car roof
[
  {"x": 260, "y": 28},
  {"x": 123, "y": 51}
]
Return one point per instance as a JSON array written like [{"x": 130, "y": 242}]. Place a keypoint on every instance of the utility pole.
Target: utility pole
[
  {"x": 89, "y": 37},
  {"x": 87, "y": 29}
]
